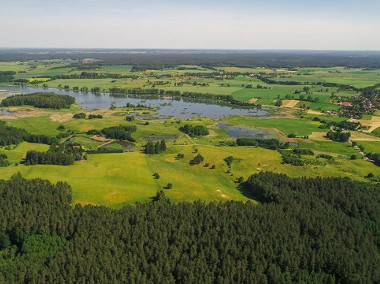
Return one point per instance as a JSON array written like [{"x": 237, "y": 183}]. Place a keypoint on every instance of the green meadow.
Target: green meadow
[
  {"x": 187, "y": 78},
  {"x": 298, "y": 126},
  {"x": 116, "y": 179}
]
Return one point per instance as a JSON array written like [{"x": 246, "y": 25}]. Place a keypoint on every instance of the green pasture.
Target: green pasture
[
  {"x": 376, "y": 132},
  {"x": 126, "y": 178},
  {"x": 370, "y": 146},
  {"x": 355, "y": 77},
  {"x": 42, "y": 125},
  {"x": 16, "y": 153},
  {"x": 118, "y": 179},
  {"x": 300, "y": 127}
]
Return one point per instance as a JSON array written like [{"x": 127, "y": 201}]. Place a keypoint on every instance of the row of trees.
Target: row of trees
[
  {"x": 323, "y": 230},
  {"x": 95, "y": 116},
  {"x": 64, "y": 154},
  {"x": 273, "y": 144},
  {"x": 198, "y": 130},
  {"x": 48, "y": 158},
  {"x": 155, "y": 148},
  {"x": 345, "y": 124}
]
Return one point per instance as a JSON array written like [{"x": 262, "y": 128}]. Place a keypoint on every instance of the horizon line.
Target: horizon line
[{"x": 192, "y": 49}]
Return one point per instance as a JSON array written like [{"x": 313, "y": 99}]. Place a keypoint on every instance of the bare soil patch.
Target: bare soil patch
[
  {"x": 373, "y": 123},
  {"x": 61, "y": 117},
  {"x": 360, "y": 136},
  {"x": 314, "y": 112},
  {"x": 100, "y": 139},
  {"x": 289, "y": 103},
  {"x": 318, "y": 136}
]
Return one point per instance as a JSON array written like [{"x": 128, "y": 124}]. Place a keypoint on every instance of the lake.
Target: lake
[{"x": 166, "y": 107}]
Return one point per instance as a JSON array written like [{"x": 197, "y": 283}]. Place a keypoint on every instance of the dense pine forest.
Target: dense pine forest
[{"x": 324, "y": 230}]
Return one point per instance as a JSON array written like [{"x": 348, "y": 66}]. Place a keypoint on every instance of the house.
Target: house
[{"x": 346, "y": 104}]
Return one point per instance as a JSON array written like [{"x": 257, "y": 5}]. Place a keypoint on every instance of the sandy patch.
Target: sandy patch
[
  {"x": 318, "y": 136},
  {"x": 61, "y": 117},
  {"x": 100, "y": 139},
  {"x": 360, "y": 136},
  {"x": 24, "y": 112},
  {"x": 212, "y": 133},
  {"x": 252, "y": 101},
  {"x": 373, "y": 123},
  {"x": 7, "y": 117},
  {"x": 314, "y": 112},
  {"x": 170, "y": 160},
  {"x": 290, "y": 103},
  {"x": 221, "y": 194}
]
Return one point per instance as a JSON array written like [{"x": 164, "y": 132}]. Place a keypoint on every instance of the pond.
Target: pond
[
  {"x": 246, "y": 132},
  {"x": 166, "y": 107},
  {"x": 4, "y": 112}
]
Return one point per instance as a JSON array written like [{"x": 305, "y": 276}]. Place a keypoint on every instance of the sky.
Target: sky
[{"x": 191, "y": 24}]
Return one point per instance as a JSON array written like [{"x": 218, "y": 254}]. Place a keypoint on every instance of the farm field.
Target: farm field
[
  {"x": 243, "y": 84},
  {"x": 126, "y": 175}
]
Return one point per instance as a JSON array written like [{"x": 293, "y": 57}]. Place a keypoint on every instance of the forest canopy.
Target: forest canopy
[
  {"x": 41, "y": 100},
  {"x": 323, "y": 230}
]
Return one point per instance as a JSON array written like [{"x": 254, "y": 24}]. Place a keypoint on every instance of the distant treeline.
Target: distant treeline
[
  {"x": 322, "y": 230},
  {"x": 142, "y": 59},
  {"x": 41, "y": 100},
  {"x": 94, "y": 75},
  {"x": 7, "y": 76}
]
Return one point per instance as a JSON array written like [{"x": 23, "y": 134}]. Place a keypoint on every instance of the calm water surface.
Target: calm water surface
[{"x": 167, "y": 108}]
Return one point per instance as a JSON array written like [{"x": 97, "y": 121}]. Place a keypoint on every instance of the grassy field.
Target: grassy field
[
  {"x": 118, "y": 179},
  {"x": 192, "y": 80},
  {"x": 370, "y": 146},
  {"x": 300, "y": 127},
  {"x": 126, "y": 178}
]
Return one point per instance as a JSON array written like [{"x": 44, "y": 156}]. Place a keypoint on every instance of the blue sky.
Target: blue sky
[{"x": 239, "y": 24}]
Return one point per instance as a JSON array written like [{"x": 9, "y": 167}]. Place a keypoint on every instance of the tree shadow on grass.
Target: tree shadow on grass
[{"x": 247, "y": 193}]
